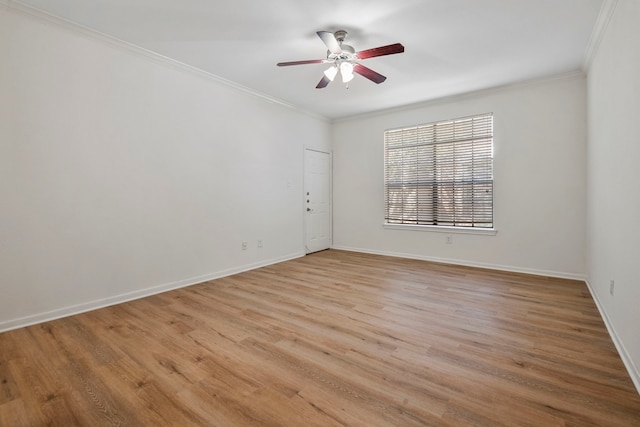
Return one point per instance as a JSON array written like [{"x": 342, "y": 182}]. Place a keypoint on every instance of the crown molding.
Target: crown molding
[
  {"x": 607, "y": 10},
  {"x": 18, "y": 7},
  {"x": 570, "y": 75}
]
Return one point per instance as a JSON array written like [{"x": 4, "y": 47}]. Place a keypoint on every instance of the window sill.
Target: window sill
[{"x": 442, "y": 229}]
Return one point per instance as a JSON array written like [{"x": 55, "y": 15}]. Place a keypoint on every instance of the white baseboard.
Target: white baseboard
[
  {"x": 129, "y": 296},
  {"x": 513, "y": 269},
  {"x": 634, "y": 373}
]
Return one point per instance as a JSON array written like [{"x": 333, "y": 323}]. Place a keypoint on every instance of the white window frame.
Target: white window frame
[{"x": 448, "y": 162}]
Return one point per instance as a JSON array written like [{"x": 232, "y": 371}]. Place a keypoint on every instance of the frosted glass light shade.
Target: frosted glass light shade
[
  {"x": 346, "y": 68},
  {"x": 331, "y": 72}
]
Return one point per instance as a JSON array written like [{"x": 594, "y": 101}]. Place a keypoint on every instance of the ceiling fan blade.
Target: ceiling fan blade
[
  {"x": 323, "y": 83},
  {"x": 329, "y": 39},
  {"x": 369, "y": 73},
  {"x": 310, "y": 61},
  {"x": 381, "y": 51}
]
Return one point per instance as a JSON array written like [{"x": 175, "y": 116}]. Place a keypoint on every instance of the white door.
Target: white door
[{"x": 317, "y": 200}]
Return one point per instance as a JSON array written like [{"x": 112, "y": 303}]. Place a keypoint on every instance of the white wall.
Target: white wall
[
  {"x": 122, "y": 174},
  {"x": 539, "y": 180},
  {"x": 613, "y": 227}
]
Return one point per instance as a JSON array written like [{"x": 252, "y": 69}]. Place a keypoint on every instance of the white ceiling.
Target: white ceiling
[{"x": 452, "y": 46}]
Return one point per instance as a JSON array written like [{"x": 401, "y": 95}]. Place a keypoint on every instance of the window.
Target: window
[{"x": 440, "y": 174}]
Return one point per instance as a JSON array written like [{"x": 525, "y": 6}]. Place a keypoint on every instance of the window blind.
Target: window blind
[{"x": 440, "y": 173}]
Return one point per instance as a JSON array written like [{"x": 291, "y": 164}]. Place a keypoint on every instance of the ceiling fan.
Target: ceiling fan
[{"x": 344, "y": 59}]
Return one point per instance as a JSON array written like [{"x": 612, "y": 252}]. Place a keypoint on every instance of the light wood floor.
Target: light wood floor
[{"x": 331, "y": 339}]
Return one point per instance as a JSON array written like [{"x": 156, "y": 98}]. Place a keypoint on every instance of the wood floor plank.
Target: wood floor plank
[{"x": 331, "y": 339}]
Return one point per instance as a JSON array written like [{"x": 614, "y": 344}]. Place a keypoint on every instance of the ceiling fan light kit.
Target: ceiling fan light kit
[{"x": 345, "y": 60}]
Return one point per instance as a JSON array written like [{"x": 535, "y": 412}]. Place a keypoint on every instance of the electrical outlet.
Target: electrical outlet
[
  {"x": 611, "y": 286},
  {"x": 244, "y": 246},
  {"x": 449, "y": 239},
  {"x": 259, "y": 243}
]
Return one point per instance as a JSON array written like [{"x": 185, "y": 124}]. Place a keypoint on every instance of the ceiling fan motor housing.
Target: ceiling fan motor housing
[{"x": 348, "y": 52}]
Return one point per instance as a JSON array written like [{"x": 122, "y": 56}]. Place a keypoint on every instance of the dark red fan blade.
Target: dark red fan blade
[
  {"x": 323, "y": 83},
  {"x": 311, "y": 61},
  {"x": 369, "y": 73},
  {"x": 381, "y": 51}
]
